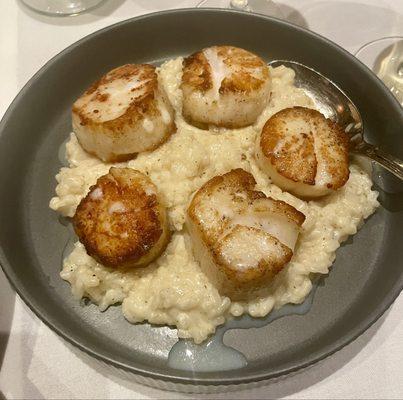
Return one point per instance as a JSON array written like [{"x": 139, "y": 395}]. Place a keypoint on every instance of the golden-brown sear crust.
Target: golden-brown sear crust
[
  {"x": 296, "y": 160},
  {"x": 237, "y": 180},
  {"x": 139, "y": 106},
  {"x": 338, "y": 162},
  {"x": 282, "y": 208},
  {"x": 217, "y": 233},
  {"x": 252, "y": 278},
  {"x": 224, "y": 86},
  {"x": 118, "y": 158},
  {"x": 295, "y": 156},
  {"x": 120, "y": 220},
  {"x": 125, "y": 113},
  {"x": 197, "y": 71}
]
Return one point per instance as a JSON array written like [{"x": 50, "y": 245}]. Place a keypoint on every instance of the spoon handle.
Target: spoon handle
[{"x": 391, "y": 163}]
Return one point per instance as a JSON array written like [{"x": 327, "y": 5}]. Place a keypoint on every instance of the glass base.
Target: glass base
[
  {"x": 266, "y": 7},
  {"x": 385, "y": 58},
  {"x": 61, "y": 7}
]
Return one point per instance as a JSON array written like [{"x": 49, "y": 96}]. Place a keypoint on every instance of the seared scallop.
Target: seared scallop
[
  {"x": 240, "y": 237},
  {"x": 224, "y": 86},
  {"x": 121, "y": 221},
  {"x": 303, "y": 152},
  {"x": 124, "y": 113}
]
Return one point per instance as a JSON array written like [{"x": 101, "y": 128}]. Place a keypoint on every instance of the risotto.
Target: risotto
[{"x": 173, "y": 290}]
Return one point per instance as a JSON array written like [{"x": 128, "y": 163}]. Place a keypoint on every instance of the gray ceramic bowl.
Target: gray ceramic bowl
[{"x": 365, "y": 279}]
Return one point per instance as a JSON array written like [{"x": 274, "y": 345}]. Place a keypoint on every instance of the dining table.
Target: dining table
[{"x": 35, "y": 363}]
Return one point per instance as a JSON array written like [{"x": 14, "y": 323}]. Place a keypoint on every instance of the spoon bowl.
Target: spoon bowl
[{"x": 334, "y": 104}]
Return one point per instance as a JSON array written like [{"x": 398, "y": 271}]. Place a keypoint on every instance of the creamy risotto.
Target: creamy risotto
[{"x": 173, "y": 290}]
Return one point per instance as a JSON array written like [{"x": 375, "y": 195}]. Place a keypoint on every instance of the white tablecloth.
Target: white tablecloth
[{"x": 36, "y": 363}]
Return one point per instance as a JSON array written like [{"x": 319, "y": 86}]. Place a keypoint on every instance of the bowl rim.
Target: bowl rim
[{"x": 313, "y": 358}]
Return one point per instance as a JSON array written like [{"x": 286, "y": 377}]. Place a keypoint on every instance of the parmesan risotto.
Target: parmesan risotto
[{"x": 173, "y": 290}]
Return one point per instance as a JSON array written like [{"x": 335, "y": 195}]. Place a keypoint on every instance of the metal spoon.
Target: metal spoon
[{"x": 334, "y": 104}]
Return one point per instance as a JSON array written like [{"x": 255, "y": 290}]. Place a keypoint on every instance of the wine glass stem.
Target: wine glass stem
[{"x": 239, "y": 4}]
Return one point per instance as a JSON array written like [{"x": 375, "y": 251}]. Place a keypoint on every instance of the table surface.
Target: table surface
[{"x": 36, "y": 363}]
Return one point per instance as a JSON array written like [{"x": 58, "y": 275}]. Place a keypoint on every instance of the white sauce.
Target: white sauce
[
  {"x": 173, "y": 290},
  {"x": 214, "y": 354},
  {"x": 117, "y": 207},
  {"x": 223, "y": 209},
  {"x": 120, "y": 92},
  {"x": 150, "y": 191},
  {"x": 322, "y": 172},
  {"x": 148, "y": 125},
  {"x": 97, "y": 194},
  {"x": 243, "y": 253},
  {"x": 219, "y": 70},
  {"x": 165, "y": 115},
  {"x": 278, "y": 226}
]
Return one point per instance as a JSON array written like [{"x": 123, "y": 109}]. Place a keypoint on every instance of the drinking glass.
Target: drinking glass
[
  {"x": 385, "y": 57},
  {"x": 266, "y": 7},
  {"x": 61, "y": 7}
]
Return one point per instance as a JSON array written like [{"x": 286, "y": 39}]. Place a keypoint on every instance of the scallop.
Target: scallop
[
  {"x": 224, "y": 86},
  {"x": 121, "y": 221},
  {"x": 124, "y": 113},
  {"x": 303, "y": 152},
  {"x": 241, "y": 238}
]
